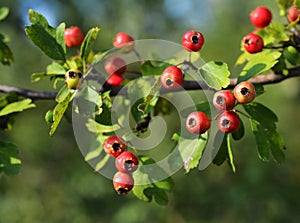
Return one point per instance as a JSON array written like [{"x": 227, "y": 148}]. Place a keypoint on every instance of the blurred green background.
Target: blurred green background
[{"x": 56, "y": 184}]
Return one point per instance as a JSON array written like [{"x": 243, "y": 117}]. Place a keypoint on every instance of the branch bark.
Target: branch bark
[{"x": 187, "y": 85}]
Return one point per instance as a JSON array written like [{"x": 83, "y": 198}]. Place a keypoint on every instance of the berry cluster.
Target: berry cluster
[{"x": 126, "y": 163}]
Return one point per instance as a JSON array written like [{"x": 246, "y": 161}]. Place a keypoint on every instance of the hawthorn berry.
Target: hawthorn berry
[
  {"x": 228, "y": 121},
  {"x": 253, "y": 43},
  {"x": 73, "y": 36},
  {"x": 72, "y": 78},
  {"x": 244, "y": 92},
  {"x": 115, "y": 65},
  {"x": 293, "y": 14},
  {"x": 123, "y": 182},
  {"x": 123, "y": 39},
  {"x": 197, "y": 122},
  {"x": 114, "y": 146},
  {"x": 192, "y": 40},
  {"x": 224, "y": 100},
  {"x": 171, "y": 78},
  {"x": 115, "y": 80},
  {"x": 126, "y": 162},
  {"x": 261, "y": 17}
]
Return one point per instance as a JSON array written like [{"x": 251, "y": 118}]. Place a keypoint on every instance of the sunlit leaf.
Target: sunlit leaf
[{"x": 17, "y": 106}]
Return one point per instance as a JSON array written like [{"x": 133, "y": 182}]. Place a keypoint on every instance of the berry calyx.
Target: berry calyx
[
  {"x": 123, "y": 182},
  {"x": 244, "y": 92},
  {"x": 253, "y": 43},
  {"x": 114, "y": 146},
  {"x": 192, "y": 40},
  {"x": 224, "y": 100},
  {"x": 115, "y": 80},
  {"x": 171, "y": 78},
  {"x": 122, "y": 39},
  {"x": 293, "y": 14},
  {"x": 115, "y": 65},
  {"x": 197, "y": 123},
  {"x": 261, "y": 17},
  {"x": 73, "y": 36},
  {"x": 72, "y": 78},
  {"x": 126, "y": 162},
  {"x": 228, "y": 121}
]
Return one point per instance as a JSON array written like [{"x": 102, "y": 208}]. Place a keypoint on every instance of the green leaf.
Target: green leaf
[
  {"x": 259, "y": 63},
  {"x": 229, "y": 152},
  {"x": 202, "y": 106},
  {"x": 291, "y": 55},
  {"x": 240, "y": 132},
  {"x": 297, "y": 4},
  {"x": 45, "y": 41},
  {"x": 148, "y": 69},
  {"x": 284, "y": 5},
  {"x": 93, "y": 154},
  {"x": 96, "y": 127},
  {"x": 55, "y": 68},
  {"x": 62, "y": 94},
  {"x": 9, "y": 163},
  {"x": 59, "y": 111},
  {"x": 4, "y": 11},
  {"x": 277, "y": 145},
  {"x": 88, "y": 43},
  {"x": 6, "y": 55},
  {"x": 18, "y": 106},
  {"x": 102, "y": 162},
  {"x": 49, "y": 117},
  {"x": 37, "y": 18},
  {"x": 273, "y": 34},
  {"x": 215, "y": 74},
  {"x": 59, "y": 36}
]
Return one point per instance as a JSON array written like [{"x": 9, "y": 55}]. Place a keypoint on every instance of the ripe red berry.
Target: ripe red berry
[
  {"x": 224, "y": 100},
  {"x": 114, "y": 146},
  {"x": 123, "y": 182},
  {"x": 197, "y": 123},
  {"x": 228, "y": 121},
  {"x": 244, "y": 92},
  {"x": 115, "y": 80},
  {"x": 192, "y": 40},
  {"x": 293, "y": 14},
  {"x": 115, "y": 65},
  {"x": 261, "y": 17},
  {"x": 171, "y": 78},
  {"x": 73, "y": 36},
  {"x": 123, "y": 39},
  {"x": 253, "y": 43},
  {"x": 126, "y": 162}
]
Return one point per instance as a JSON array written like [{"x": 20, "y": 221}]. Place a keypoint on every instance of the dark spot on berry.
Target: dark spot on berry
[
  {"x": 244, "y": 91},
  {"x": 116, "y": 147},
  {"x": 79, "y": 75},
  {"x": 72, "y": 74},
  {"x": 169, "y": 82},
  {"x": 225, "y": 123},
  {"x": 122, "y": 190},
  {"x": 220, "y": 100},
  {"x": 195, "y": 38},
  {"x": 128, "y": 164},
  {"x": 247, "y": 41},
  {"x": 192, "y": 122}
]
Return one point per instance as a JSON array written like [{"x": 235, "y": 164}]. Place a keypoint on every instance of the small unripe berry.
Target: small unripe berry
[
  {"x": 72, "y": 78},
  {"x": 114, "y": 146},
  {"x": 253, "y": 43},
  {"x": 197, "y": 123},
  {"x": 244, "y": 92},
  {"x": 293, "y": 14},
  {"x": 126, "y": 162},
  {"x": 171, "y": 78},
  {"x": 73, "y": 36},
  {"x": 122, "y": 39},
  {"x": 228, "y": 121},
  {"x": 261, "y": 17},
  {"x": 115, "y": 65},
  {"x": 123, "y": 182},
  {"x": 223, "y": 100},
  {"x": 192, "y": 40}
]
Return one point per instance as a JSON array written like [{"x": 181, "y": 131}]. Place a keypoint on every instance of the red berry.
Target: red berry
[
  {"x": 197, "y": 123},
  {"x": 224, "y": 100},
  {"x": 73, "y": 36},
  {"x": 114, "y": 146},
  {"x": 228, "y": 121},
  {"x": 253, "y": 43},
  {"x": 244, "y": 92},
  {"x": 123, "y": 39},
  {"x": 261, "y": 17},
  {"x": 293, "y": 14},
  {"x": 171, "y": 78},
  {"x": 115, "y": 65},
  {"x": 192, "y": 40},
  {"x": 123, "y": 182},
  {"x": 126, "y": 162},
  {"x": 115, "y": 80}
]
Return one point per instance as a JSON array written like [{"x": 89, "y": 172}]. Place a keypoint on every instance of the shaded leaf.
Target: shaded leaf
[
  {"x": 149, "y": 69},
  {"x": 9, "y": 163},
  {"x": 88, "y": 43},
  {"x": 102, "y": 162},
  {"x": 4, "y": 11},
  {"x": 215, "y": 74},
  {"x": 202, "y": 106},
  {"x": 6, "y": 55},
  {"x": 240, "y": 132},
  {"x": 17, "y": 106},
  {"x": 96, "y": 127}
]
